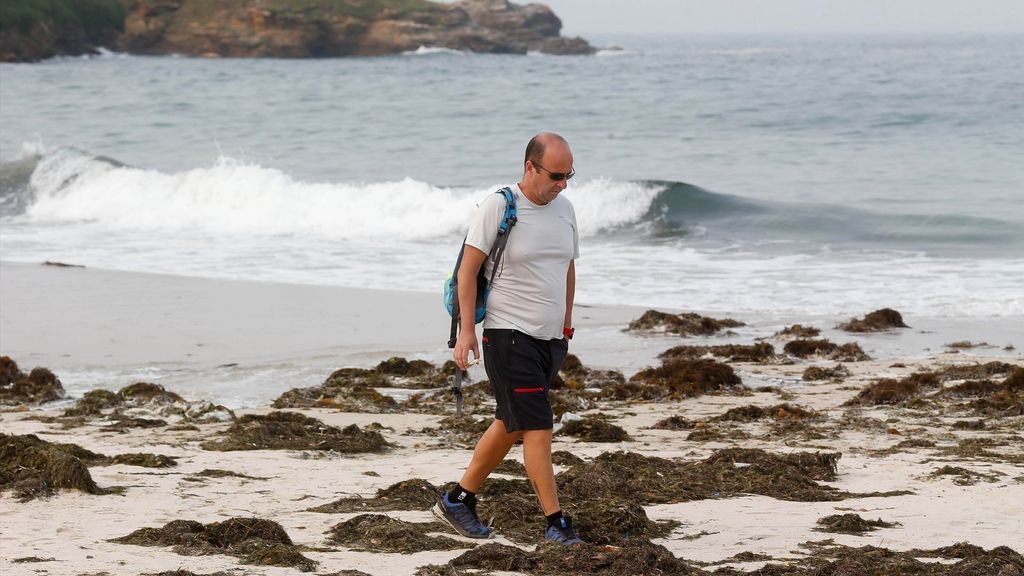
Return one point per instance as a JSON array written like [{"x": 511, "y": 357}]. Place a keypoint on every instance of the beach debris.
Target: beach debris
[
  {"x": 685, "y": 324},
  {"x": 294, "y": 431},
  {"x": 564, "y": 458},
  {"x": 380, "y": 533},
  {"x": 144, "y": 460},
  {"x": 595, "y": 428},
  {"x": 674, "y": 423},
  {"x": 675, "y": 379},
  {"x": 851, "y": 523},
  {"x": 716, "y": 435},
  {"x": 990, "y": 399},
  {"x": 969, "y": 425},
  {"x": 34, "y": 468},
  {"x": 17, "y": 388},
  {"x": 180, "y": 572},
  {"x": 778, "y": 412},
  {"x": 636, "y": 556},
  {"x": 891, "y": 391},
  {"x": 354, "y": 389},
  {"x": 206, "y": 473},
  {"x": 576, "y": 376},
  {"x": 61, "y": 264},
  {"x": 799, "y": 331},
  {"x": 412, "y": 494},
  {"x": 761, "y": 352},
  {"x": 725, "y": 473},
  {"x": 849, "y": 352},
  {"x": 137, "y": 404},
  {"x": 837, "y": 372},
  {"x": 829, "y": 558},
  {"x": 511, "y": 467},
  {"x": 962, "y": 476},
  {"x": 255, "y": 540},
  {"x": 459, "y": 431},
  {"x": 877, "y": 321}
]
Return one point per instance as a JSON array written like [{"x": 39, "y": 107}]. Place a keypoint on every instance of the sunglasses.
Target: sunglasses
[{"x": 556, "y": 176}]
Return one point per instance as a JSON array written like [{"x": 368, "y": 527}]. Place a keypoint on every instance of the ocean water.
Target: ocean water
[{"x": 762, "y": 175}]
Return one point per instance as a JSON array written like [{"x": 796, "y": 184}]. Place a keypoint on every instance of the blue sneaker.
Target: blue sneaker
[
  {"x": 563, "y": 534},
  {"x": 460, "y": 517}
]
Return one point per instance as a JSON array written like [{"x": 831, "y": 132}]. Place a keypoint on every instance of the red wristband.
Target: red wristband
[{"x": 568, "y": 332}]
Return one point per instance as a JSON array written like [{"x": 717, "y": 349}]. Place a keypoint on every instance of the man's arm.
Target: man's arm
[
  {"x": 472, "y": 259},
  {"x": 570, "y": 293}
]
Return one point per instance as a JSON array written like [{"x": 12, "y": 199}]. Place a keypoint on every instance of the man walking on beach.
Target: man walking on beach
[{"x": 526, "y": 331}]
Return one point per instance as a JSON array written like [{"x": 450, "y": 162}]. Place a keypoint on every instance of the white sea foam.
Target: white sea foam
[
  {"x": 238, "y": 198},
  {"x": 430, "y": 50}
]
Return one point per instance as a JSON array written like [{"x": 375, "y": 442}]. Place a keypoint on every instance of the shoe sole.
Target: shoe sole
[{"x": 443, "y": 516}]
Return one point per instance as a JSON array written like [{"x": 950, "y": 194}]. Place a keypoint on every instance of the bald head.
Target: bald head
[{"x": 539, "y": 144}]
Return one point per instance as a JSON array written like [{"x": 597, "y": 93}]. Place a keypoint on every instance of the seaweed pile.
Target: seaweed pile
[
  {"x": 17, "y": 388},
  {"x": 685, "y": 324},
  {"x": 34, "y": 468},
  {"x": 380, "y": 533},
  {"x": 294, "y": 431},
  {"x": 595, "y": 428},
  {"x": 837, "y": 372},
  {"x": 675, "y": 379},
  {"x": 575, "y": 376},
  {"x": 799, "y": 331},
  {"x": 851, "y": 524},
  {"x": 142, "y": 405},
  {"x": 989, "y": 398},
  {"x": 849, "y": 352},
  {"x": 255, "y": 540},
  {"x": 762, "y": 352},
  {"x": 353, "y": 389},
  {"x": 412, "y": 494}
]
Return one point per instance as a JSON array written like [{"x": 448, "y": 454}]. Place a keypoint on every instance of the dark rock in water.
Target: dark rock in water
[
  {"x": 685, "y": 324},
  {"x": 283, "y": 29},
  {"x": 35, "y": 468},
  {"x": 595, "y": 429},
  {"x": 254, "y": 540},
  {"x": 36, "y": 387},
  {"x": 851, "y": 524},
  {"x": 32, "y": 30},
  {"x": 413, "y": 494},
  {"x": 379, "y": 533},
  {"x": 761, "y": 352},
  {"x": 294, "y": 431},
  {"x": 849, "y": 352},
  {"x": 877, "y": 321}
]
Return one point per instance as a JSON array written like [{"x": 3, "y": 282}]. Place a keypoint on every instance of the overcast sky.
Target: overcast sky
[{"x": 582, "y": 17}]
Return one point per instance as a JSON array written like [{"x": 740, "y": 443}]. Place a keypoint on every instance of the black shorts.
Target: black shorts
[{"x": 521, "y": 369}]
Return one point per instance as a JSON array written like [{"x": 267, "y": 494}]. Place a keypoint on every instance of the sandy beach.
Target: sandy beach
[{"x": 938, "y": 458}]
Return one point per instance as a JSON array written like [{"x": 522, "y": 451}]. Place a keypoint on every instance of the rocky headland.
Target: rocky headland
[{"x": 280, "y": 28}]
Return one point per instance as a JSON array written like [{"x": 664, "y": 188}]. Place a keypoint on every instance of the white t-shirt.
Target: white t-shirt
[{"x": 528, "y": 290}]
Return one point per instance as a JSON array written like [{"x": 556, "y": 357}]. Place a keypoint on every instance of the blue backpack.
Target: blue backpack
[{"x": 483, "y": 287}]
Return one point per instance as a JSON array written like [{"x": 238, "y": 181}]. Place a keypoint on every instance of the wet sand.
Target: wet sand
[{"x": 67, "y": 319}]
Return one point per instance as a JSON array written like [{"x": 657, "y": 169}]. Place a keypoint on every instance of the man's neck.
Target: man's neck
[{"x": 530, "y": 196}]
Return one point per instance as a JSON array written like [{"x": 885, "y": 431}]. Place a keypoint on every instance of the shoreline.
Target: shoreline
[{"x": 125, "y": 327}]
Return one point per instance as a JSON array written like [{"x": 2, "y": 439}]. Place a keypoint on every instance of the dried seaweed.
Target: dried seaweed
[
  {"x": 677, "y": 378},
  {"x": 294, "y": 431},
  {"x": 837, "y": 372},
  {"x": 38, "y": 386},
  {"x": 685, "y": 324},
  {"x": 849, "y": 352},
  {"x": 379, "y": 533},
  {"x": 595, "y": 429},
  {"x": 255, "y": 540},
  {"x": 412, "y": 494},
  {"x": 851, "y": 524},
  {"x": 761, "y": 352},
  {"x": 35, "y": 468}
]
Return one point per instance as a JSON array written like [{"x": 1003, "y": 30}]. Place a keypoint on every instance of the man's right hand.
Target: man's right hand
[{"x": 465, "y": 343}]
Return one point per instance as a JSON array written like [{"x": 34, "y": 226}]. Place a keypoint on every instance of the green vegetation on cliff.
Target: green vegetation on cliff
[
  {"x": 202, "y": 10},
  {"x": 87, "y": 15}
]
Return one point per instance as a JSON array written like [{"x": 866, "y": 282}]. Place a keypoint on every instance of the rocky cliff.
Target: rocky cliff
[{"x": 331, "y": 28}]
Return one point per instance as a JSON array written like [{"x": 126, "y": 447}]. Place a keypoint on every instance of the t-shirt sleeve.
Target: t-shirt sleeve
[{"x": 483, "y": 228}]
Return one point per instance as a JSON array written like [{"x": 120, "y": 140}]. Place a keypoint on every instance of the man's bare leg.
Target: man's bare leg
[
  {"x": 490, "y": 450},
  {"x": 537, "y": 458}
]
